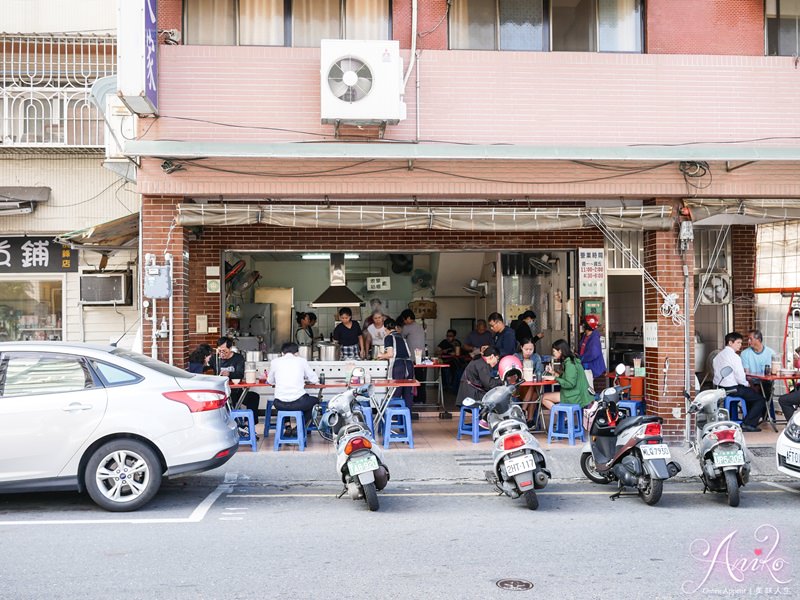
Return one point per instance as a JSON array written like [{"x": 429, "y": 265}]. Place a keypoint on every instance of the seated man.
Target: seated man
[
  {"x": 478, "y": 338},
  {"x": 230, "y": 364},
  {"x": 477, "y": 378},
  {"x": 736, "y": 381},
  {"x": 449, "y": 350},
  {"x": 756, "y": 360},
  {"x": 289, "y": 373}
]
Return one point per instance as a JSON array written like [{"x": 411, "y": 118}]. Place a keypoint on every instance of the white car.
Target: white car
[
  {"x": 106, "y": 421},
  {"x": 787, "y": 449}
]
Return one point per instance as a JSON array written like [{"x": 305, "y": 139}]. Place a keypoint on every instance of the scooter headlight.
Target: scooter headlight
[{"x": 792, "y": 430}]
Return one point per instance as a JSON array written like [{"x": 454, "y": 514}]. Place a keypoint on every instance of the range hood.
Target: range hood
[{"x": 338, "y": 294}]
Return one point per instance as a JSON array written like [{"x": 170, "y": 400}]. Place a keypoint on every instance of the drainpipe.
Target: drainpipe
[
  {"x": 413, "y": 43},
  {"x": 417, "y": 101},
  {"x": 686, "y": 351},
  {"x": 150, "y": 260},
  {"x": 168, "y": 260}
]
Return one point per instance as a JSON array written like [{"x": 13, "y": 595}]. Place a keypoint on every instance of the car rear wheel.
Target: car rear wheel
[{"x": 122, "y": 475}]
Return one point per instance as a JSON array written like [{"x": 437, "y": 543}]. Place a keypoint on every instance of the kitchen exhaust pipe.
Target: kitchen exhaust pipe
[{"x": 337, "y": 294}]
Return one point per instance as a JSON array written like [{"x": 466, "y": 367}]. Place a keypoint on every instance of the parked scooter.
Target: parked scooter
[
  {"x": 358, "y": 458},
  {"x": 626, "y": 449},
  {"x": 519, "y": 465},
  {"x": 719, "y": 446}
]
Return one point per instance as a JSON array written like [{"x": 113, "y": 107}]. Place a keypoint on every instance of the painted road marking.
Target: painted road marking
[
  {"x": 198, "y": 514},
  {"x": 785, "y": 488}
]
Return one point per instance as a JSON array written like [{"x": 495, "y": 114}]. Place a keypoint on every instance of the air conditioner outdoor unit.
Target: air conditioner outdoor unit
[
  {"x": 106, "y": 288},
  {"x": 361, "y": 82}
]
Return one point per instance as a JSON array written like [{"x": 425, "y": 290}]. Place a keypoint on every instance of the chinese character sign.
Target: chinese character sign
[
  {"x": 592, "y": 272},
  {"x": 151, "y": 53},
  {"x": 35, "y": 255}
]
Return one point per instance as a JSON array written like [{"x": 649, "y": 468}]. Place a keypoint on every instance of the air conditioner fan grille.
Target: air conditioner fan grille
[{"x": 350, "y": 79}]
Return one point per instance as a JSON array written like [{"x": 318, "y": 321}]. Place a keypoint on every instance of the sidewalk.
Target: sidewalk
[{"x": 438, "y": 456}]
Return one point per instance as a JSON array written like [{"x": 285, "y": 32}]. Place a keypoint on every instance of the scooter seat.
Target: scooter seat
[{"x": 629, "y": 422}]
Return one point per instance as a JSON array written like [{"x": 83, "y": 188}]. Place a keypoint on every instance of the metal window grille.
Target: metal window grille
[
  {"x": 45, "y": 89},
  {"x": 634, "y": 242}
]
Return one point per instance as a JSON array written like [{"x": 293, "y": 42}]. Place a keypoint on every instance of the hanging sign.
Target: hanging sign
[
  {"x": 36, "y": 255},
  {"x": 591, "y": 272}
]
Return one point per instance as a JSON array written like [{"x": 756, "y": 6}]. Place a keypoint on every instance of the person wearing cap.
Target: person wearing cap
[
  {"x": 523, "y": 330},
  {"x": 478, "y": 377},
  {"x": 591, "y": 350}
]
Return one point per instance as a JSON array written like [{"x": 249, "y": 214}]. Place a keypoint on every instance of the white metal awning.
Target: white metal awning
[{"x": 753, "y": 211}]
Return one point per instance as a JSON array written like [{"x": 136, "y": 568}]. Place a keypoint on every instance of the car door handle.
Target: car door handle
[{"x": 77, "y": 406}]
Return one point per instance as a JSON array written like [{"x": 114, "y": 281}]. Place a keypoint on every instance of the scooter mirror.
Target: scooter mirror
[
  {"x": 468, "y": 402},
  {"x": 620, "y": 369},
  {"x": 725, "y": 371}
]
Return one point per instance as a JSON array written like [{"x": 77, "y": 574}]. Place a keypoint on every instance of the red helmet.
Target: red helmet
[
  {"x": 592, "y": 321},
  {"x": 509, "y": 365}
]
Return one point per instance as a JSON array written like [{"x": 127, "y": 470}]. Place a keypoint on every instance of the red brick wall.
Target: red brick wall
[
  {"x": 734, "y": 27},
  {"x": 170, "y": 14},
  {"x": 664, "y": 261},
  {"x": 743, "y": 243},
  {"x": 431, "y": 24}
]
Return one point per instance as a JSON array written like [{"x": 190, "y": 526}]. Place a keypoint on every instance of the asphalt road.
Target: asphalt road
[{"x": 205, "y": 537}]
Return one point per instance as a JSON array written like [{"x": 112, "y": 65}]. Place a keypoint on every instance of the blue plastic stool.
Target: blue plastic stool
[
  {"x": 400, "y": 418},
  {"x": 367, "y": 412},
  {"x": 471, "y": 428},
  {"x": 251, "y": 428},
  {"x": 635, "y": 407},
  {"x": 284, "y": 417},
  {"x": 732, "y": 405},
  {"x": 397, "y": 403},
  {"x": 267, "y": 418},
  {"x": 566, "y": 421}
]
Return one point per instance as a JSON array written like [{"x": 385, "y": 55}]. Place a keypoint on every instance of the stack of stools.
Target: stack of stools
[
  {"x": 397, "y": 424},
  {"x": 251, "y": 428},
  {"x": 284, "y": 419},
  {"x": 471, "y": 428},
  {"x": 566, "y": 421},
  {"x": 733, "y": 404}
]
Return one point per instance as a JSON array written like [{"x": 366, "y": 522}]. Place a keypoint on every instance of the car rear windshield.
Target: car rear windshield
[{"x": 152, "y": 363}]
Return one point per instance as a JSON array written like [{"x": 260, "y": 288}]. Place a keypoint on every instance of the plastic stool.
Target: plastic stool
[
  {"x": 367, "y": 412},
  {"x": 397, "y": 403},
  {"x": 267, "y": 418},
  {"x": 251, "y": 428},
  {"x": 732, "y": 405},
  {"x": 569, "y": 427},
  {"x": 472, "y": 428},
  {"x": 635, "y": 407},
  {"x": 284, "y": 418},
  {"x": 403, "y": 423}
]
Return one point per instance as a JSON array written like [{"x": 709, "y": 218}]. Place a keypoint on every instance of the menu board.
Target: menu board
[{"x": 592, "y": 272}]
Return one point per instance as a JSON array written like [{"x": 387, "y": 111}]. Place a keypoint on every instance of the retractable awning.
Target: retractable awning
[
  {"x": 18, "y": 200},
  {"x": 119, "y": 234},
  {"x": 718, "y": 212},
  {"x": 462, "y": 218}
]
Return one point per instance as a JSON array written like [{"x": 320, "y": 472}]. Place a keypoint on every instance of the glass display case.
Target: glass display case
[{"x": 31, "y": 309}]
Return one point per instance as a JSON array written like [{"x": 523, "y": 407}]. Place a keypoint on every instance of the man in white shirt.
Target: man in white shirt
[
  {"x": 289, "y": 374},
  {"x": 736, "y": 381}
]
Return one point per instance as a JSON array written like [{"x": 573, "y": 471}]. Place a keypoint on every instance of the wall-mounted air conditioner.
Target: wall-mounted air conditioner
[
  {"x": 361, "y": 82},
  {"x": 108, "y": 287}
]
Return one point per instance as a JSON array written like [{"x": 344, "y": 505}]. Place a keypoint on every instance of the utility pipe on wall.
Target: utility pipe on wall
[
  {"x": 168, "y": 260},
  {"x": 686, "y": 351},
  {"x": 413, "y": 43}
]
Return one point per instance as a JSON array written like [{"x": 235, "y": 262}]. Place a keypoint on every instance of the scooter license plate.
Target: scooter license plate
[
  {"x": 356, "y": 466},
  {"x": 727, "y": 458},
  {"x": 793, "y": 457},
  {"x": 520, "y": 464},
  {"x": 653, "y": 451}
]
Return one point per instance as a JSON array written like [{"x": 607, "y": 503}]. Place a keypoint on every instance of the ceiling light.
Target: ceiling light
[{"x": 326, "y": 256}]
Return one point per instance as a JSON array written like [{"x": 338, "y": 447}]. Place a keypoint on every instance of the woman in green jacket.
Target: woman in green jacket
[{"x": 573, "y": 382}]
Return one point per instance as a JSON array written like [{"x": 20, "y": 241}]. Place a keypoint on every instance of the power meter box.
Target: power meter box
[{"x": 157, "y": 282}]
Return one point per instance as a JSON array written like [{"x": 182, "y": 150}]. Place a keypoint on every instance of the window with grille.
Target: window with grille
[
  {"x": 620, "y": 259},
  {"x": 783, "y": 27},
  {"x": 46, "y": 89}
]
